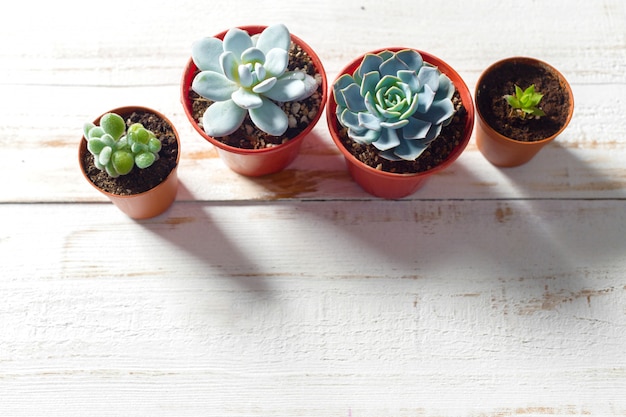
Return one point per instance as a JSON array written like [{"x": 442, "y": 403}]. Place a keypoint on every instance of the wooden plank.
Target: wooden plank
[{"x": 324, "y": 308}]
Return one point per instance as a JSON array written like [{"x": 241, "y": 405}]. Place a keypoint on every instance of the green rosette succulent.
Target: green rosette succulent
[
  {"x": 395, "y": 101},
  {"x": 246, "y": 74},
  {"x": 117, "y": 150}
]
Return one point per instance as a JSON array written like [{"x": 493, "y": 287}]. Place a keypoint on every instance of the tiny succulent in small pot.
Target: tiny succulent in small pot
[
  {"x": 525, "y": 103},
  {"x": 252, "y": 87},
  {"x": 399, "y": 115},
  {"x": 130, "y": 155},
  {"x": 522, "y": 104},
  {"x": 117, "y": 150}
]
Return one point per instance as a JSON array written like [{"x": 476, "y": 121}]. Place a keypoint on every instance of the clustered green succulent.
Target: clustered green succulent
[
  {"x": 116, "y": 149},
  {"x": 396, "y": 102},
  {"x": 246, "y": 74},
  {"x": 525, "y": 103}
]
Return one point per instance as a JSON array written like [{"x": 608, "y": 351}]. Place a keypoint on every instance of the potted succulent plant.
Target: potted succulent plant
[
  {"x": 131, "y": 154},
  {"x": 398, "y": 115},
  {"x": 522, "y": 105},
  {"x": 254, "y": 92}
]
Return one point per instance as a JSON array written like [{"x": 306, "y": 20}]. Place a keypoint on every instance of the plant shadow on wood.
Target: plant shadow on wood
[
  {"x": 191, "y": 228},
  {"x": 500, "y": 237}
]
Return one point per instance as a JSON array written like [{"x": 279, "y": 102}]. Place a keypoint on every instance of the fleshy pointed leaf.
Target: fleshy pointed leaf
[
  {"x": 342, "y": 82},
  {"x": 292, "y": 86},
  {"x": 223, "y": 118},
  {"x": 368, "y": 121},
  {"x": 388, "y": 139},
  {"x": 237, "y": 41},
  {"x": 353, "y": 99},
  {"x": 416, "y": 129},
  {"x": 370, "y": 62},
  {"x": 105, "y": 155},
  {"x": 410, "y": 150},
  {"x": 246, "y": 99},
  {"x": 264, "y": 86},
  {"x": 391, "y": 66},
  {"x": 409, "y": 77},
  {"x": 123, "y": 162},
  {"x": 365, "y": 136},
  {"x": 214, "y": 86},
  {"x": 269, "y": 118},
  {"x": 351, "y": 121},
  {"x": 429, "y": 76},
  {"x": 412, "y": 59},
  {"x": 113, "y": 124},
  {"x": 439, "y": 112},
  {"x": 276, "y": 36},
  {"x": 206, "y": 52},
  {"x": 246, "y": 79},
  {"x": 276, "y": 62},
  {"x": 425, "y": 99},
  {"x": 252, "y": 55},
  {"x": 229, "y": 64},
  {"x": 369, "y": 83},
  {"x": 144, "y": 160}
]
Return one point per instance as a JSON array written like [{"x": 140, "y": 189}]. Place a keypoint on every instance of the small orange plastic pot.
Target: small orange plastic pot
[
  {"x": 387, "y": 184},
  {"x": 504, "y": 151},
  {"x": 255, "y": 162},
  {"x": 150, "y": 203}
]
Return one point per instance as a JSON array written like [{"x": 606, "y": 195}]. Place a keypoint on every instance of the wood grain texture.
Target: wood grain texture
[{"x": 488, "y": 293}]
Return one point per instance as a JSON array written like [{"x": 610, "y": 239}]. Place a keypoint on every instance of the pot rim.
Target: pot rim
[
  {"x": 187, "y": 78},
  {"x": 445, "y": 68},
  {"x": 530, "y": 61}
]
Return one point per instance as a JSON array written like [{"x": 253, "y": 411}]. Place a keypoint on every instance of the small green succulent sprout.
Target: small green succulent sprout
[
  {"x": 396, "y": 102},
  {"x": 525, "y": 103},
  {"x": 116, "y": 149},
  {"x": 246, "y": 74}
]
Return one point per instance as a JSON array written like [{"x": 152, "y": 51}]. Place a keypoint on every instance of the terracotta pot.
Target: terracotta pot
[
  {"x": 150, "y": 203},
  {"x": 505, "y": 151},
  {"x": 391, "y": 185},
  {"x": 255, "y": 162}
]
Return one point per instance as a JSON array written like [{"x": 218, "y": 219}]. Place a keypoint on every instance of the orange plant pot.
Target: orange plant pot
[
  {"x": 386, "y": 184},
  {"x": 255, "y": 162},
  {"x": 504, "y": 151},
  {"x": 150, "y": 203}
]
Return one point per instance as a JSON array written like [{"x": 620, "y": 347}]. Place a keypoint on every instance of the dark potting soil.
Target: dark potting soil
[
  {"x": 248, "y": 136},
  {"x": 437, "y": 152},
  {"x": 497, "y": 112},
  {"x": 138, "y": 180}
]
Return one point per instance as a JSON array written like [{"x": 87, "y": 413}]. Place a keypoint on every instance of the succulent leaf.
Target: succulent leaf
[
  {"x": 247, "y": 99},
  {"x": 113, "y": 124},
  {"x": 276, "y": 36},
  {"x": 223, "y": 118},
  {"x": 145, "y": 159},
  {"x": 237, "y": 41},
  {"x": 388, "y": 139},
  {"x": 214, "y": 86},
  {"x": 269, "y": 118},
  {"x": 276, "y": 62},
  {"x": 205, "y": 54},
  {"x": 123, "y": 162}
]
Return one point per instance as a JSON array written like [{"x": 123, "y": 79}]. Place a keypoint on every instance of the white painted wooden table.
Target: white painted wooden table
[{"x": 490, "y": 292}]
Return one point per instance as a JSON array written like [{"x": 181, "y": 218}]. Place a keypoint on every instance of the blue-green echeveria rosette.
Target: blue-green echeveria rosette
[
  {"x": 396, "y": 102},
  {"x": 248, "y": 75}
]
